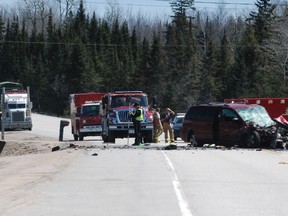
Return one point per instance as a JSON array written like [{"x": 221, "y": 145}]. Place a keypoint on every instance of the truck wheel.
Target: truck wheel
[
  {"x": 104, "y": 138},
  {"x": 81, "y": 137},
  {"x": 111, "y": 138},
  {"x": 253, "y": 140},
  {"x": 75, "y": 137},
  {"x": 148, "y": 138}
]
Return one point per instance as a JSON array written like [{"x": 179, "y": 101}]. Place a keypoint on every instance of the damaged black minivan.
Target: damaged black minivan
[{"x": 244, "y": 125}]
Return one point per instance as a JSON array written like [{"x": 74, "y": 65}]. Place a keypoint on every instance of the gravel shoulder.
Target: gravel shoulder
[{"x": 24, "y": 142}]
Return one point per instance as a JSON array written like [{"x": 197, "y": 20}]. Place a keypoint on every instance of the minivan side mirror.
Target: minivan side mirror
[{"x": 230, "y": 118}]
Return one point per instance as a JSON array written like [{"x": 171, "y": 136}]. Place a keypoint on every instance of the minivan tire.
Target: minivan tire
[
  {"x": 193, "y": 141},
  {"x": 253, "y": 140}
]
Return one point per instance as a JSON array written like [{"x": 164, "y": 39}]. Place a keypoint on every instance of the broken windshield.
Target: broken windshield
[{"x": 258, "y": 115}]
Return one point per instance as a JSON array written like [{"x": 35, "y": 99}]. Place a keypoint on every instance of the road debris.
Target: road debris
[
  {"x": 283, "y": 162},
  {"x": 170, "y": 147},
  {"x": 56, "y": 148}
]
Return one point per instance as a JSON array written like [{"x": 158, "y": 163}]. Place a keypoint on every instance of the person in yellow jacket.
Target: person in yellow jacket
[{"x": 137, "y": 118}]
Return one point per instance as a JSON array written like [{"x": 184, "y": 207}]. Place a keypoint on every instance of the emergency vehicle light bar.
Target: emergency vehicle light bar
[
  {"x": 94, "y": 101},
  {"x": 122, "y": 92}
]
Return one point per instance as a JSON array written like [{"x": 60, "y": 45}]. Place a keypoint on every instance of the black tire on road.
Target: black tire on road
[
  {"x": 81, "y": 137},
  {"x": 149, "y": 137},
  {"x": 105, "y": 138},
  {"x": 75, "y": 137},
  {"x": 253, "y": 140},
  {"x": 193, "y": 141},
  {"x": 111, "y": 138}
]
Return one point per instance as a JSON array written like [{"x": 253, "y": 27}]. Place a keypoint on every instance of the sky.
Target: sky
[
  {"x": 163, "y": 8},
  {"x": 160, "y": 7}
]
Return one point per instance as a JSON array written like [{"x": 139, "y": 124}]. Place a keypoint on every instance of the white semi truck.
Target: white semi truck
[{"x": 16, "y": 109}]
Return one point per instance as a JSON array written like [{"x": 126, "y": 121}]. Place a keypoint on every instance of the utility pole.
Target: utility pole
[{"x": 3, "y": 112}]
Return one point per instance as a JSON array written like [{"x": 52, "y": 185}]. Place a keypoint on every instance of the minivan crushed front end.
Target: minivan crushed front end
[{"x": 243, "y": 125}]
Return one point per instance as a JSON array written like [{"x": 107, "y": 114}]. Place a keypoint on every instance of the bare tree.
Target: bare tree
[
  {"x": 65, "y": 7},
  {"x": 113, "y": 11},
  {"x": 35, "y": 11},
  {"x": 276, "y": 49}
]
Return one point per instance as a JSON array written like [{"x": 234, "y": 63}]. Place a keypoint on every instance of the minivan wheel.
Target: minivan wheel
[
  {"x": 253, "y": 140},
  {"x": 193, "y": 141}
]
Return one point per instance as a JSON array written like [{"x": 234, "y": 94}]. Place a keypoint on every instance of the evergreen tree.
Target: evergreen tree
[
  {"x": 126, "y": 55},
  {"x": 2, "y": 40},
  {"x": 155, "y": 82},
  {"x": 10, "y": 70},
  {"x": 183, "y": 62},
  {"x": 80, "y": 23},
  {"x": 138, "y": 77},
  {"x": 92, "y": 29},
  {"x": 2, "y": 30},
  {"x": 262, "y": 19},
  {"x": 134, "y": 45},
  {"x": 182, "y": 9},
  {"x": 80, "y": 71},
  {"x": 245, "y": 65},
  {"x": 104, "y": 55},
  {"x": 209, "y": 82},
  {"x": 23, "y": 55},
  {"x": 224, "y": 75}
]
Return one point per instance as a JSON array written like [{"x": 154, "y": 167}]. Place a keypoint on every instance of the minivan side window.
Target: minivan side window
[
  {"x": 200, "y": 113},
  {"x": 228, "y": 114},
  {"x": 192, "y": 113}
]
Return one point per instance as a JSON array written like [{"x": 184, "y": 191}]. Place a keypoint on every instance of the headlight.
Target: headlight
[
  {"x": 84, "y": 121},
  {"x": 28, "y": 118}
]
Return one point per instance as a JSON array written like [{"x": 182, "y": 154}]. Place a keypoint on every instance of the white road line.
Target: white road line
[{"x": 183, "y": 204}]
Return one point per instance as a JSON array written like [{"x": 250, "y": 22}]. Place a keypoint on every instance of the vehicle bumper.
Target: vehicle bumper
[
  {"x": 91, "y": 129},
  {"x": 124, "y": 130},
  {"x": 18, "y": 125}
]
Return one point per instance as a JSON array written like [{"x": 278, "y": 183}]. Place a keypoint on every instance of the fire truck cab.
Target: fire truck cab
[{"x": 116, "y": 122}]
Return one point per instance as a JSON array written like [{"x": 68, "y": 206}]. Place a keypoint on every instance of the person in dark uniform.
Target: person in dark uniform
[
  {"x": 137, "y": 118},
  {"x": 167, "y": 124}
]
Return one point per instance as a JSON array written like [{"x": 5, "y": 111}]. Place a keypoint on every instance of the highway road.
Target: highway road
[{"x": 121, "y": 180}]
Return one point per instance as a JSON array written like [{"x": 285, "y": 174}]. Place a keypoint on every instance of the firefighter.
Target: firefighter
[
  {"x": 137, "y": 118},
  {"x": 158, "y": 128},
  {"x": 166, "y": 119}
]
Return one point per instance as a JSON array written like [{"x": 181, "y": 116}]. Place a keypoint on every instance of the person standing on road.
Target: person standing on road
[
  {"x": 158, "y": 128},
  {"x": 137, "y": 118},
  {"x": 167, "y": 124}
]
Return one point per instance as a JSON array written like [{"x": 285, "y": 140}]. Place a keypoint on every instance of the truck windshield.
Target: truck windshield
[
  {"x": 16, "y": 106},
  {"x": 90, "y": 110},
  {"x": 118, "y": 101},
  {"x": 257, "y": 115}
]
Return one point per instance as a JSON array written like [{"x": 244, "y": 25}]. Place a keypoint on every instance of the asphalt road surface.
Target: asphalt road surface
[{"x": 121, "y": 180}]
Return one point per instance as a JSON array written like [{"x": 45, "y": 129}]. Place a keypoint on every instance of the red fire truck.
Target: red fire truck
[
  {"x": 84, "y": 114},
  {"x": 116, "y": 122},
  {"x": 274, "y": 106}
]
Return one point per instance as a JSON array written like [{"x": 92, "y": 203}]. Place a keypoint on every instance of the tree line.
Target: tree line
[{"x": 187, "y": 59}]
